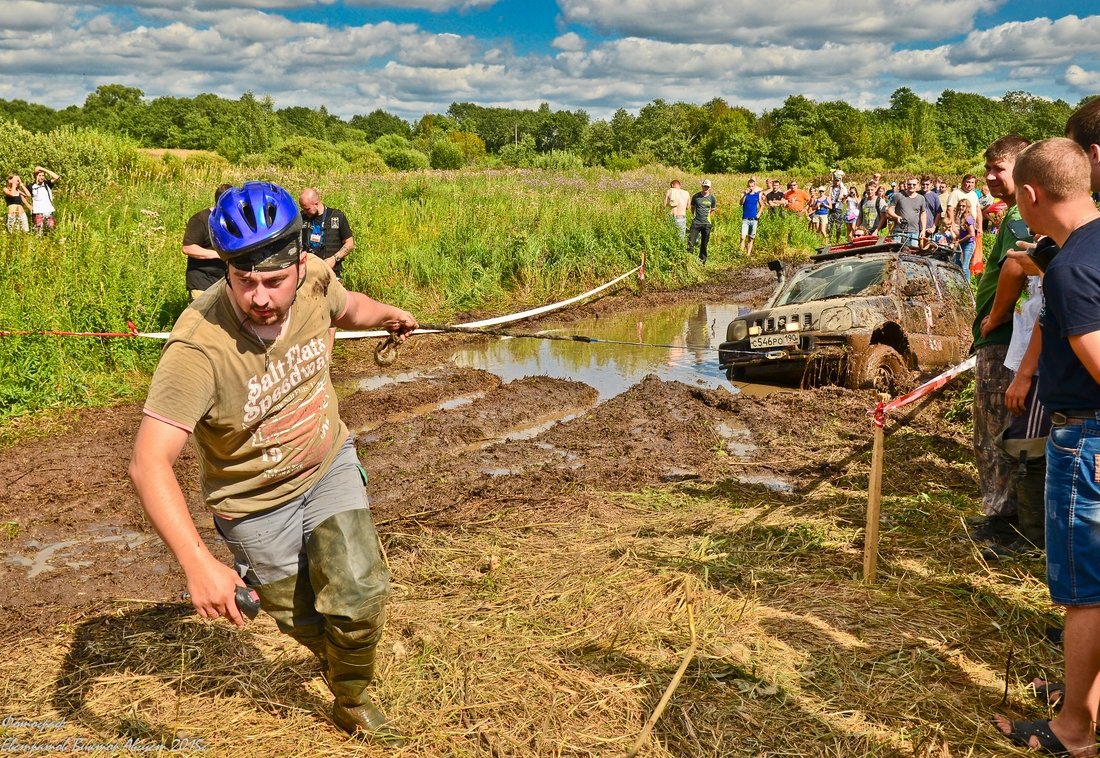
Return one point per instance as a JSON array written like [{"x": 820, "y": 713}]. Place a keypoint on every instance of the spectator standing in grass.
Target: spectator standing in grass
[
  {"x": 42, "y": 207},
  {"x": 907, "y": 211},
  {"x": 676, "y": 200},
  {"x": 703, "y": 207},
  {"x": 775, "y": 199},
  {"x": 995, "y": 300},
  {"x": 325, "y": 231},
  {"x": 838, "y": 207},
  {"x": 932, "y": 202},
  {"x": 872, "y": 208},
  {"x": 204, "y": 266},
  {"x": 16, "y": 196},
  {"x": 796, "y": 198},
  {"x": 966, "y": 236},
  {"x": 851, "y": 212},
  {"x": 818, "y": 212},
  {"x": 751, "y": 201}
]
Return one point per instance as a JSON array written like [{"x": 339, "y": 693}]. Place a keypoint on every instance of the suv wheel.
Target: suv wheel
[{"x": 880, "y": 368}]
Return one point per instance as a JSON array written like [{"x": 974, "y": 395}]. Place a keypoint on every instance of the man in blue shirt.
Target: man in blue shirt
[
  {"x": 750, "y": 216},
  {"x": 1052, "y": 180}
]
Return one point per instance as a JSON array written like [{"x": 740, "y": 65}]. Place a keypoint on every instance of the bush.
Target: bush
[
  {"x": 405, "y": 159},
  {"x": 286, "y": 154},
  {"x": 85, "y": 159},
  {"x": 389, "y": 142},
  {"x": 521, "y": 154},
  {"x": 368, "y": 162},
  {"x": 557, "y": 160},
  {"x": 321, "y": 162},
  {"x": 446, "y": 155}
]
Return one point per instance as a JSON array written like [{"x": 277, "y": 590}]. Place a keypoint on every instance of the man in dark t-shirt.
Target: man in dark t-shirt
[
  {"x": 325, "y": 231},
  {"x": 204, "y": 266},
  {"x": 775, "y": 198},
  {"x": 702, "y": 206},
  {"x": 1052, "y": 193}
]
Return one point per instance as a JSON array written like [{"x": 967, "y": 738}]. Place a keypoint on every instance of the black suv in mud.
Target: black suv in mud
[{"x": 862, "y": 316}]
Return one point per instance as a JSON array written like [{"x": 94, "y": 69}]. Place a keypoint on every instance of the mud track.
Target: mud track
[{"x": 440, "y": 447}]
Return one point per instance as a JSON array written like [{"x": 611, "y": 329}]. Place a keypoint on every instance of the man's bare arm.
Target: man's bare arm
[
  {"x": 363, "y": 312},
  {"x": 1010, "y": 283},
  {"x": 1018, "y": 389},
  {"x": 210, "y": 582},
  {"x": 1087, "y": 349},
  {"x": 199, "y": 252}
]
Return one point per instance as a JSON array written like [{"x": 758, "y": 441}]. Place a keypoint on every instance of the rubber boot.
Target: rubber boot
[
  {"x": 290, "y": 602},
  {"x": 1032, "y": 504},
  {"x": 351, "y": 581},
  {"x": 350, "y": 674}
]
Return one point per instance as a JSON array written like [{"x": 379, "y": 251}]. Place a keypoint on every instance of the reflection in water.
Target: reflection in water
[{"x": 694, "y": 330}]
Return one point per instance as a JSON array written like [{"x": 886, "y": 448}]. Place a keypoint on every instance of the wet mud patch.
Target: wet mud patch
[{"x": 410, "y": 394}]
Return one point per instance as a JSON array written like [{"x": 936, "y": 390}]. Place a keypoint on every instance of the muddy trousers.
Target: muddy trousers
[
  {"x": 318, "y": 568},
  {"x": 995, "y": 472},
  {"x": 336, "y": 609}
]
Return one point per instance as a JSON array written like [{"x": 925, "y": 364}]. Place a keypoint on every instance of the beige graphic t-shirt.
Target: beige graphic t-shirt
[{"x": 265, "y": 420}]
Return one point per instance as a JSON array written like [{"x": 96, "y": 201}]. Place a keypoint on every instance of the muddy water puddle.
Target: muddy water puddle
[{"x": 689, "y": 337}]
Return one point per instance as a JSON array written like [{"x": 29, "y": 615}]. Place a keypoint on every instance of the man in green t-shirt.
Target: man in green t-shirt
[
  {"x": 998, "y": 290},
  {"x": 245, "y": 374}
]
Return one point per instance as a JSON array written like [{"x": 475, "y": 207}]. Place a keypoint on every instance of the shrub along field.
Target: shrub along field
[{"x": 437, "y": 243}]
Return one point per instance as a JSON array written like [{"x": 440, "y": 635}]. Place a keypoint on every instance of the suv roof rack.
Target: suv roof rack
[{"x": 862, "y": 246}]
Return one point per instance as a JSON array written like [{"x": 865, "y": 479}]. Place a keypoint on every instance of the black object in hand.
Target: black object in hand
[
  {"x": 248, "y": 602},
  {"x": 1043, "y": 252}
]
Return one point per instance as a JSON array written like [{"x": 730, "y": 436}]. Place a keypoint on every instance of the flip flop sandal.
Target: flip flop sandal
[
  {"x": 1023, "y": 731},
  {"x": 1050, "y": 693}
]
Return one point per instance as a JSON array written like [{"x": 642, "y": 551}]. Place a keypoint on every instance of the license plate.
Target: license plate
[{"x": 786, "y": 339}]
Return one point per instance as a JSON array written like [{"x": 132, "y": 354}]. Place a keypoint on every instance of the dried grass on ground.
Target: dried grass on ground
[{"x": 553, "y": 626}]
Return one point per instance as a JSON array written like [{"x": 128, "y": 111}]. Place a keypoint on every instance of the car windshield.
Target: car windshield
[{"x": 843, "y": 278}]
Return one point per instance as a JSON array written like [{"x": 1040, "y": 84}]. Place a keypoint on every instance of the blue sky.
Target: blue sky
[{"x": 412, "y": 57}]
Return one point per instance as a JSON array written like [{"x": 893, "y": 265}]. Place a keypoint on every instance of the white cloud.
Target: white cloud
[
  {"x": 794, "y": 22},
  {"x": 27, "y": 15},
  {"x": 1085, "y": 82},
  {"x": 570, "y": 42},
  {"x": 165, "y": 48},
  {"x": 1040, "y": 40}
]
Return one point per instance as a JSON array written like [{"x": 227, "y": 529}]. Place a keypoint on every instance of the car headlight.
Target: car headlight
[
  {"x": 835, "y": 320},
  {"x": 738, "y": 330}
]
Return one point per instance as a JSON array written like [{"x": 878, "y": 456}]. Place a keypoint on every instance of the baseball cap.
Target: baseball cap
[{"x": 706, "y": 182}]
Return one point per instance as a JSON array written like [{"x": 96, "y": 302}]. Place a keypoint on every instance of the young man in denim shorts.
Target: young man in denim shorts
[
  {"x": 245, "y": 374},
  {"x": 1052, "y": 181}
]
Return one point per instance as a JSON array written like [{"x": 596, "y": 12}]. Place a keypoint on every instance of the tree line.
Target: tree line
[{"x": 800, "y": 136}]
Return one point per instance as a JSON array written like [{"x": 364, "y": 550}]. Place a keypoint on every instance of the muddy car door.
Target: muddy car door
[{"x": 924, "y": 309}]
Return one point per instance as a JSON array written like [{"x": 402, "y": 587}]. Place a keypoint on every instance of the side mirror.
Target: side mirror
[{"x": 777, "y": 267}]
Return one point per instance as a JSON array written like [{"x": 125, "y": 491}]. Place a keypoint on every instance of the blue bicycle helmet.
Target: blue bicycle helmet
[{"x": 254, "y": 226}]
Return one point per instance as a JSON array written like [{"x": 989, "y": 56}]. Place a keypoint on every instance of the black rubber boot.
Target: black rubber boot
[{"x": 1032, "y": 504}]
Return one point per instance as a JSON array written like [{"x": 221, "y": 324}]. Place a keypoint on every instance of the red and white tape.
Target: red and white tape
[{"x": 878, "y": 413}]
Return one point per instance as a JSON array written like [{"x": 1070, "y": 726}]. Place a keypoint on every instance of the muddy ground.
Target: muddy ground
[
  {"x": 451, "y": 448},
  {"x": 76, "y": 536}
]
